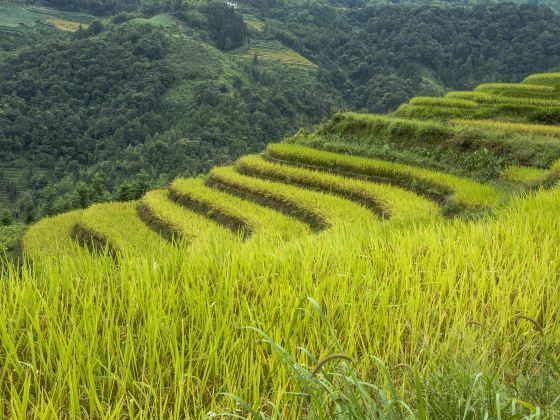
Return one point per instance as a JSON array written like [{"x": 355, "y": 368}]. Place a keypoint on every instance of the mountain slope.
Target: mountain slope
[{"x": 432, "y": 268}]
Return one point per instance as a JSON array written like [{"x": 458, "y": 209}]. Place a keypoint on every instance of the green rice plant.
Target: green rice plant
[
  {"x": 537, "y": 129},
  {"x": 51, "y": 237},
  {"x": 443, "y": 102},
  {"x": 145, "y": 340},
  {"x": 333, "y": 388},
  {"x": 485, "y": 98},
  {"x": 319, "y": 210},
  {"x": 428, "y": 112},
  {"x": 446, "y": 145},
  {"x": 356, "y": 124},
  {"x": 505, "y": 87},
  {"x": 174, "y": 221},
  {"x": 117, "y": 228},
  {"x": 457, "y": 191},
  {"x": 258, "y": 223},
  {"x": 543, "y": 79},
  {"x": 386, "y": 200},
  {"x": 527, "y": 176}
]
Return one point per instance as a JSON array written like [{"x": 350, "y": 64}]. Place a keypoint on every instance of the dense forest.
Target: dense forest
[
  {"x": 378, "y": 56},
  {"x": 120, "y": 105}
]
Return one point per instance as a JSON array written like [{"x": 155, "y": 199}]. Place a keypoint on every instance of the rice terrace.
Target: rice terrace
[{"x": 379, "y": 266}]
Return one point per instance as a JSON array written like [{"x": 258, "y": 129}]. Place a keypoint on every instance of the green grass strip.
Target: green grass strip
[
  {"x": 514, "y": 87},
  {"x": 462, "y": 191},
  {"x": 537, "y": 129},
  {"x": 543, "y": 78},
  {"x": 387, "y": 200},
  {"x": 526, "y": 176},
  {"x": 174, "y": 221},
  {"x": 443, "y": 102},
  {"x": 485, "y": 98},
  {"x": 245, "y": 217},
  {"x": 321, "y": 211},
  {"x": 119, "y": 227},
  {"x": 51, "y": 237}
]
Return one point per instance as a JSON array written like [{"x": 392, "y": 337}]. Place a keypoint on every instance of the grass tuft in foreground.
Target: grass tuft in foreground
[{"x": 332, "y": 388}]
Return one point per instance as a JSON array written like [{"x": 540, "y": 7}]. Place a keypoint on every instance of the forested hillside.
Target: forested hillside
[{"x": 104, "y": 106}]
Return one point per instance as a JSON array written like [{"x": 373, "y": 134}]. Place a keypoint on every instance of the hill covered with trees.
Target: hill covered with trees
[
  {"x": 144, "y": 93},
  {"x": 376, "y": 264}
]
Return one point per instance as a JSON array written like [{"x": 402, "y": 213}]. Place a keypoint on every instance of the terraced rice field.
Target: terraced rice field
[
  {"x": 273, "y": 52},
  {"x": 157, "y": 308},
  {"x": 535, "y": 101},
  {"x": 17, "y": 15}
]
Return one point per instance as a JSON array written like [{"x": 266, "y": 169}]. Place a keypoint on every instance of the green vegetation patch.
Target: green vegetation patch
[
  {"x": 490, "y": 148},
  {"x": 459, "y": 191},
  {"x": 485, "y": 98},
  {"x": 514, "y": 87},
  {"x": 14, "y": 15},
  {"x": 271, "y": 51},
  {"x": 443, "y": 102},
  {"x": 162, "y": 20},
  {"x": 538, "y": 129},
  {"x": 10, "y": 240},
  {"x": 527, "y": 176}
]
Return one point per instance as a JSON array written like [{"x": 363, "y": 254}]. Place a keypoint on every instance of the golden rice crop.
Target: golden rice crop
[
  {"x": 543, "y": 78},
  {"x": 388, "y": 200},
  {"x": 538, "y": 129},
  {"x": 443, "y": 102},
  {"x": 257, "y": 222},
  {"x": 157, "y": 209},
  {"x": 319, "y": 210},
  {"x": 117, "y": 227},
  {"x": 464, "y": 191},
  {"x": 51, "y": 237},
  {"x": 142, "y": 341},
  {"x": 485, "y": 98},
  {"x": 514, "y": 87}
]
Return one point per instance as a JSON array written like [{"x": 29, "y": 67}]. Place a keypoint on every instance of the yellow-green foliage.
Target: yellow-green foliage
[
  {"x": 463, "y": 191},
  {"x": 117, "y": 342},
  {"x": 390, "y": 201},
  {"x": 526, "y": 176},
  {"x": 543, "y": 79},
  {"x": 320, "y": 210},
  {"x": 52, "y": 237},
  {"x": 65, "y": 25},
  {"x": 163, "y": 20},
  {"x": 254, "y": 23},
  {"x": 537, "y": 129},
  {"x": 514, "y": 87},
  {"x": 485, "y": 98},
  {"x": 261, "y": 223},
  {"x": 156, "y": 209},
  {"x": 87, "y": 335},
  {"x": 118, "y": 227},
  {"x": 443, "y": 102}
]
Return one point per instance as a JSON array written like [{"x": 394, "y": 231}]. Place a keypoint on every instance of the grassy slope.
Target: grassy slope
[
  {"x": 19, "y": 16},
  {"x": 165, "y": 336}
]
